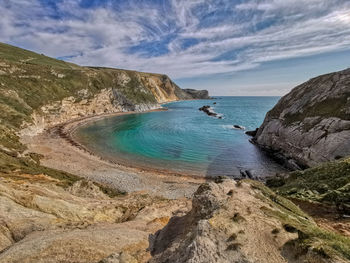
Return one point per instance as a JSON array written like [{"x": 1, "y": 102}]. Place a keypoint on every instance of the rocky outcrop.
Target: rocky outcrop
[
  {"x": 240, "y": 222},
  {"x": 197, "y": 94},
  {"x": 311, "y": 124},
  {"x": 210, "y": 112},
  {"x": 43, "y": 222}
]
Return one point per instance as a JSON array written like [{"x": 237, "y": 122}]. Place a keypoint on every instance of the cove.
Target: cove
[{"x": 184, "y": 140}]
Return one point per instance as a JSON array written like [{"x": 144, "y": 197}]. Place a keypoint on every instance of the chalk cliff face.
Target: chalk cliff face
[{"x": 311, "y": 124}]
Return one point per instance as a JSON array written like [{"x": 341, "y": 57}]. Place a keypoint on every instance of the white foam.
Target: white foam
[{"x": 231, "y": 127}]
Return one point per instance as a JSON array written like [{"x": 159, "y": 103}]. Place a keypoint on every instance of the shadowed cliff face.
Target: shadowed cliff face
[{"x": 311, "y": 124}]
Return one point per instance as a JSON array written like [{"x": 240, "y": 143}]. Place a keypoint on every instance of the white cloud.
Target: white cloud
[{"x": 255, "y": 32}]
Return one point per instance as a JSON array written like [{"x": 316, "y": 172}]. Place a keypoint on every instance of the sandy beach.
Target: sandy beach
[{"x": 61, "y": 152}]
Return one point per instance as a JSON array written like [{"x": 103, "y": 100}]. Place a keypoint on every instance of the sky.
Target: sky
[{"x": 230, "y": 47}]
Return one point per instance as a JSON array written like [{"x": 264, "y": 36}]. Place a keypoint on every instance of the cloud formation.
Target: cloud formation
[{"x": 178, "y": 37}]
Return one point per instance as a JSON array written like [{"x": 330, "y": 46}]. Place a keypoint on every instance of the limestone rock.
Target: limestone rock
[
  {"x": 311, "y": 124},
  {"x": 232, "y": 221},
  {"x": 42, "y": 222},
  {"x": 122, "y": 257}
]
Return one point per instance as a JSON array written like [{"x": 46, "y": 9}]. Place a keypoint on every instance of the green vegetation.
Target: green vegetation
[
  {"x": 310, "y": 237},
  {"x": 327, "y": 183},
  {"x": 326, "y": 108},
  {"x": 29, "y": 81},
  {"x": 15, "y": 54},
  {"x": 13, "y": 167}
]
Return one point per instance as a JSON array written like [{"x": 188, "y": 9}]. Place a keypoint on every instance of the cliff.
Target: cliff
[
  {"x": 311, "y": 124},
  {"x": 198, "y": 94},
  {"x": 37, "y": 92},
  {"x": 245, "y": 222}
]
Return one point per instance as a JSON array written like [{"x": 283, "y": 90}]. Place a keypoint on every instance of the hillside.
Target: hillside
[
  {"x": 328, "y": 183},
  {"x": 37, "y": 92},
  {"x": 311, "y": 124}
]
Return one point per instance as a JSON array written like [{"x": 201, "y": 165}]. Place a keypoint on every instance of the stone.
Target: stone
[{"x": 311, "y": 124}]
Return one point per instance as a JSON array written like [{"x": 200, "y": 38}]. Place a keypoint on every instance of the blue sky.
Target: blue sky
[{"x": 230, "y": 47}]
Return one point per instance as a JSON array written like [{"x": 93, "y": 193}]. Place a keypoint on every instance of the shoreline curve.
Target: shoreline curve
[{"x": 61, "y": 151}]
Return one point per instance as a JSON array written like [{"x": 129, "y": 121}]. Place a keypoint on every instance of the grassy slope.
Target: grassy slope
[
  {"x": 310, "y": 237},
  {"x": 29, "y": 80},
  {"x": 327, "y": 183}
]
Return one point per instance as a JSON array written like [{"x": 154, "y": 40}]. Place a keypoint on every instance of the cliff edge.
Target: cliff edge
[
  {"x": 245, "y": 222},
  {"x": 311, "y": 124}
]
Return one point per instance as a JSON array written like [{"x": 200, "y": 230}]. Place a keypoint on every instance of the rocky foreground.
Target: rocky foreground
[
  {"x": 42, "y": 221},
  {"x": 311, "y": 124},
  {"x": 242, "y": 222}
]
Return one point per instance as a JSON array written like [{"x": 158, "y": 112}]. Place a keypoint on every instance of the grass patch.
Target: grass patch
[
  {"x": 328, "y": 183},
  {"x": 293, "y": 219},
  {"x": 12, "y": 166}
]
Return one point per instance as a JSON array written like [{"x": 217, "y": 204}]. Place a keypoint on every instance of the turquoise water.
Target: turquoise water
[{"x": 185, "y": 140}]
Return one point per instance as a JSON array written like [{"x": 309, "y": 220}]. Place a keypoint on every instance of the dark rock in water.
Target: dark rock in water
[
  {"x": 197, "y": 94},
  {"x": 214, "y": 103},
  {"x": 203, "y": 108},
  {"x": 252, "y": 133},
  {"x": 207, "y": 110},
  {"x": 249, "y": 174},
  {"x": 243, "y": 174},
  {"x": 239, "y": 127}
]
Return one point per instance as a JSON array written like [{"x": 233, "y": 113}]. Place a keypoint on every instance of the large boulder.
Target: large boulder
[{"x": 311, "y": 124}]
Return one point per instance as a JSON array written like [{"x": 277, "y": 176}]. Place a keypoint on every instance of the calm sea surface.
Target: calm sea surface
[{"x": 185, "y": 140}]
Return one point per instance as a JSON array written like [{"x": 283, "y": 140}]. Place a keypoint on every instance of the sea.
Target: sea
[{"x": 184, "y": 140}]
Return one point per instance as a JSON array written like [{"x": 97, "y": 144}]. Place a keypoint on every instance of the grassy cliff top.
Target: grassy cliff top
[
  {"x": 327, "y": 183},
  {"x": 19, "y": 55},
  {"x": 324, "y": 96}
]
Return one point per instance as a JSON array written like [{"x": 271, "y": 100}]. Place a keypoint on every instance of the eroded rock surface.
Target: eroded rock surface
[
  {"x": 235, "y": 222},
  {"x": 311, "y": 124},
  {"x": 43, "y": 222}
]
